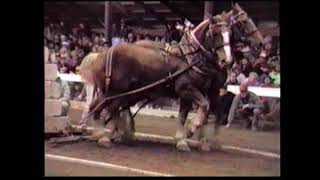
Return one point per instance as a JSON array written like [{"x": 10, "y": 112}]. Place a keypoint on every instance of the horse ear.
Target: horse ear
[
  {"x": 228, "y": 14},
  {"x": 236, "y": 6}
]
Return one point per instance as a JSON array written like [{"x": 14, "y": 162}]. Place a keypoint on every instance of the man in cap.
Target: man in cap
[{"x": 247, "y": 106}]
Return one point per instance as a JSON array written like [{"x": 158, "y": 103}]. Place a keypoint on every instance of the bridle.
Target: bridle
[
  {"x": 212, "y": 51},
  {"x": 224, "y": 44},
  {"x": 240, "y": 24}
]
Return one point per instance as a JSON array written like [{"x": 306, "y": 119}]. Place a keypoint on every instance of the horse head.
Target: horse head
[
  {"x": 213, "y": 37},
  {"x": 244, "y": 26}
]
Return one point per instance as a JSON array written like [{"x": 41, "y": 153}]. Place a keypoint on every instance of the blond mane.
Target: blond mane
[{"x": 90, "y": 67}]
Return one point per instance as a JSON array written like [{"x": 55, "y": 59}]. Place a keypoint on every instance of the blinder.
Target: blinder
[
  {"x": 240, "y": 24},
  {"x": 224, "y": 25}
]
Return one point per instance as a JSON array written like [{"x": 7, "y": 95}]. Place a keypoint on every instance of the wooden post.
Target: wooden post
[
  {"x": 107, "y": 22},
  {"x": 208, "y": 9}
]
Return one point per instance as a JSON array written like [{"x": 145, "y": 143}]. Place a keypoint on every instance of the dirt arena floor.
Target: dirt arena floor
[{"x": 166, "y": 158}]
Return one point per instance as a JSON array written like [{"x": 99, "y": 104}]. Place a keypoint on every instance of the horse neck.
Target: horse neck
[
  {"x": 198, "y": 33},
  {"x": 100, "y": 68}
]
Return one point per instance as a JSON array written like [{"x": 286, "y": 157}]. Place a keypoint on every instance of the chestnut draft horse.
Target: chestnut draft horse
[
  {"x": 242, "y": 26},
  {"x": 127, "y": 67}
]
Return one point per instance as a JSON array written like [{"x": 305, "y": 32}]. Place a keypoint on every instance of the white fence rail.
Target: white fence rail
[{"x": 260, "y": 91}]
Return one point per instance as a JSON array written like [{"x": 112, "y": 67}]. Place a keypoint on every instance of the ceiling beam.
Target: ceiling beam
[
  {"x": 121, "y": 8},
  {"x": 175, "y": 10},
  {"x": 85, "y": 9},
  {"x": 150, "y": 11}
]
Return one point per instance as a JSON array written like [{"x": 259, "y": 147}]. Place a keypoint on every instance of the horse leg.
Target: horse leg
[
  {"x": 184, "y": 109},
  {"x": 111, "y": 116},
  {"x": 209, "y": 131},
  {"x": 127, "y": 124},
  {"x": 196, "y": 96},
  {"x": 106, "y": 140}
]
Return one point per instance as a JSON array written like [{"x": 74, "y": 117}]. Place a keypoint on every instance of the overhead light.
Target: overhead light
[
  {"x": 162, "y": 10},
  {"x": 159, "y": 26},
  {"x": 138, "y": 11},
  {"x": 173, "y": 18},
  {"x": 149, "y": 19},
  {"x": 151, "y": 2},
  {"x": 127, "y": 3}
]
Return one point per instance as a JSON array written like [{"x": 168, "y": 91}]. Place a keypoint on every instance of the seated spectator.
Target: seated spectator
[
  {"x": 130, "y": 38},
  {"x": 247, "y": 106},
  {"x": 96, "y": 40},
  {"x": 139, "y": 38},
  {"x": 55, "y": 57},
  {"x": 232, "y": 79},
  {"x": 102, "y": 38},
  {"x": 64, "y": 51},
  {"x": 275, "y": 75},
  {"x": 252, "y": 80},
  {"x": 90, "y": 43},
  {"x": 74, "y": 55},
  {"x": 267, "y": 82},
  {"x": 63, "y": 39},
  {"x": 86, "y": 45},
  {"x": 74, "y": 31},
  {"x": 94, "y": 48},
  {"x": 100, "y": 49},
  {"x": 64, "y": 90},
  {"x": 124, "y": 30},
  {"x": 70, "y": 44},
  {"x": 247, "y": 54},
  {"x": 81, "y": 54},
  {"x": 240, "y": 76},
  {"x": 56, "y": 39},
  {"x": 62, "y": 65},
  {"x": 225, "y": 98},
  {"x": 46, "y": 54},
  {"x": 71, "y": 63},
  {"x": 245, "y": 67},
  {"x": 74, "y": 40},
  {"x": 84, "y": 30},
  {"x": 57, "y": 48},
  {"x": 76, "y": 47},
  {"x": 80, "y": 42},
  {"x": 147, "y": 37},
  {"x": 51, "y": 45}
]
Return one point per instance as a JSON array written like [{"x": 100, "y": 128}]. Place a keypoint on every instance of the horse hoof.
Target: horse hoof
[
  {"x": 183, "y": 146},
  {"x": 179, "y": 135},
  {"x": 215, "y": 145},
  {"x": 254, "y": 128},
  {"x": 205, "y": 147},
  {"x": 96, "y": 135},
  {"x": 105, "y": 142}
]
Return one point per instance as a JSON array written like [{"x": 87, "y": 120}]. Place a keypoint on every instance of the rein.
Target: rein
[{"x": 161, "y": 81}]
